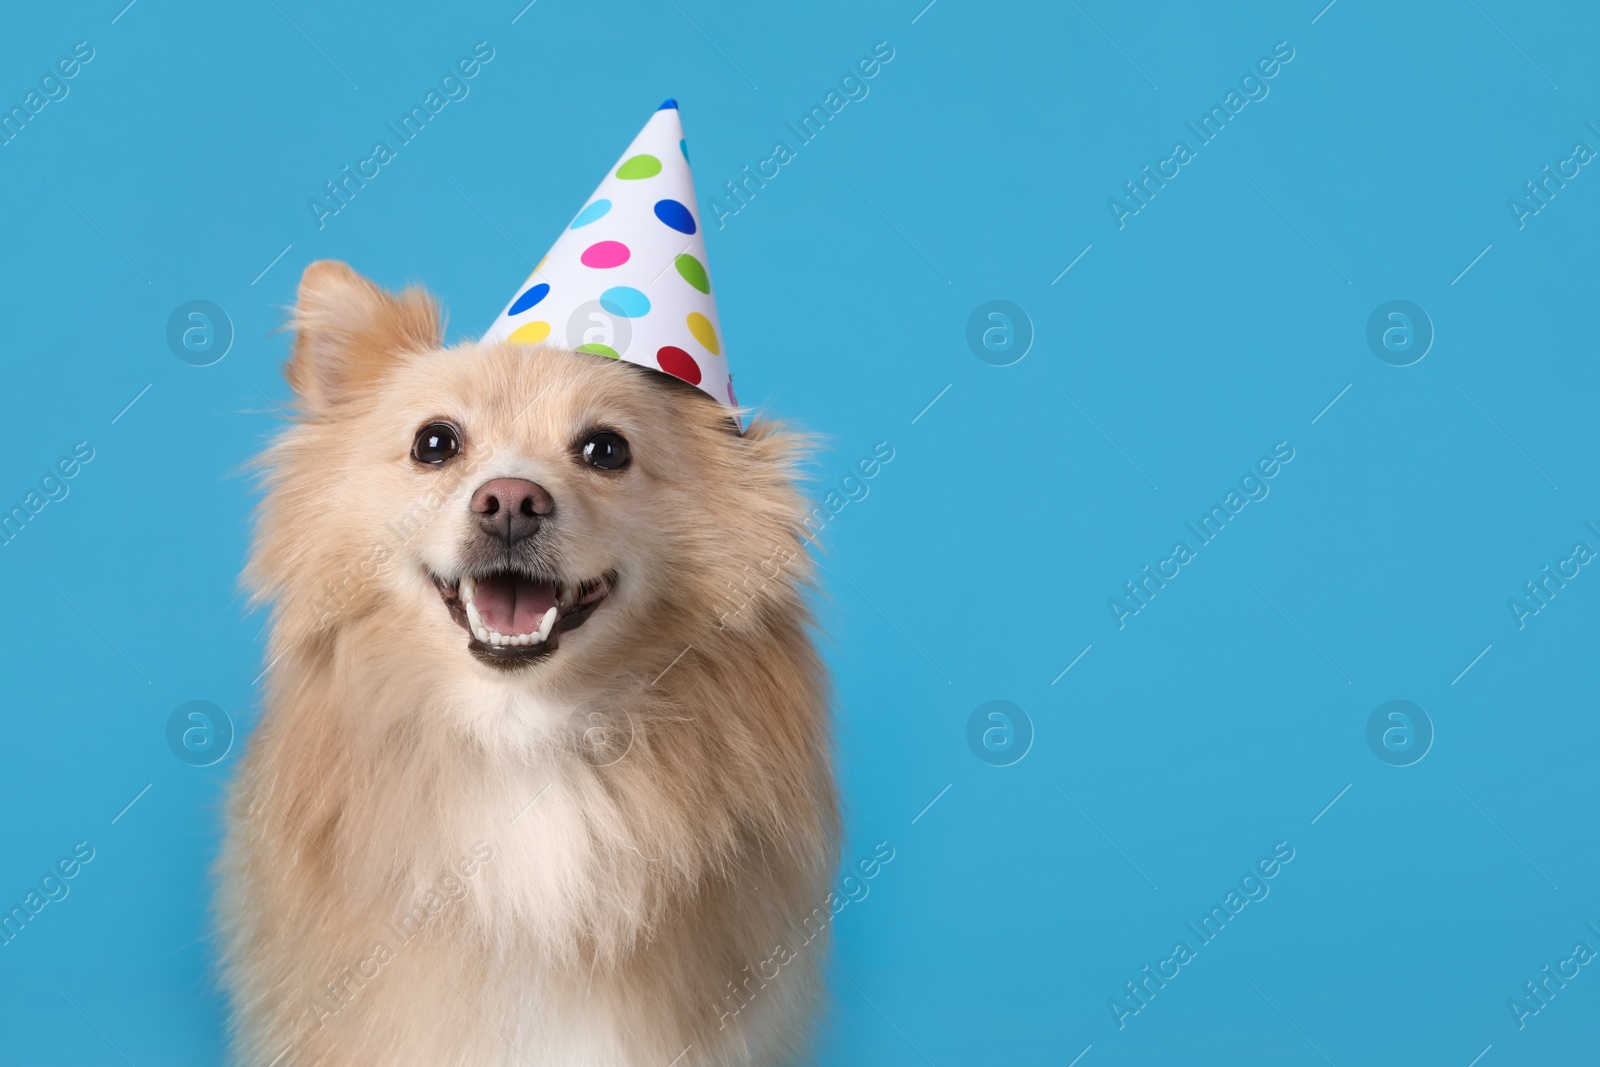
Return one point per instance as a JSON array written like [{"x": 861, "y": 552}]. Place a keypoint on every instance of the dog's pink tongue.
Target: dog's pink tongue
[{"x": 513, "y": 605}]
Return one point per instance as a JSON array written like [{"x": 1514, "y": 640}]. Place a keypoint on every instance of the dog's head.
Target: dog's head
[{"x": 527, "y": 512}]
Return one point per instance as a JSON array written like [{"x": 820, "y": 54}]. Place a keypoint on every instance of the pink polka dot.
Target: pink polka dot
[
  {"x": 604, "y": 254},
  {"x": 731, "y": 398}
]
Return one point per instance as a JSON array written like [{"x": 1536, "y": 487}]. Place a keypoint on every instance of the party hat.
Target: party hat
[{"x": 627, "y": 278}]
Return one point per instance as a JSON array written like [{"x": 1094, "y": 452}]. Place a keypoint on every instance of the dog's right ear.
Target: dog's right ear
[{"x": 348, "y": 332}]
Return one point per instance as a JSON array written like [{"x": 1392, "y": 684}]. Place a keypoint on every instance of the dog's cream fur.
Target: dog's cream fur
[{"x": 426, "y": 861}]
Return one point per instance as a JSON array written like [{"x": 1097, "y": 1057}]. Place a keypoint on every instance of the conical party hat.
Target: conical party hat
[{"x": 627, "y": 278}]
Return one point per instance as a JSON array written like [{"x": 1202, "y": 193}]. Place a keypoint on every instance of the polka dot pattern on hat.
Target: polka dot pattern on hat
[
  {"x": 626, "y": 301},
  {"x": 530, "y": 333},
  {"x": 678, "y": 363},
  {"x": 675, "y": 215},
  {"x": 639, "y": 167},
  {"x": 690, "y": 270},
  {"x": 628, "y": 278},
  {"x": 704, "y": 332},
  {"x": 593, "y": 213},
  {"x": 529, "y": 299},
  {"x": 604, "y": 255}
]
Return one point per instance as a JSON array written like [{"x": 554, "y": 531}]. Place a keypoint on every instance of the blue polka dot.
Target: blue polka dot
[
  {"x": 683, "y": 146},
  {"x": 626, "y": 301},
  {"x": 675, "y": 215},
  {"x": 592, "y": 213},
  {"x": 529, "y": 298}
]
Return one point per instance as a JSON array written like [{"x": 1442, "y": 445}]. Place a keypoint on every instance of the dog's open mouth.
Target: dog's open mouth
[{"x": 513, "y": 618}]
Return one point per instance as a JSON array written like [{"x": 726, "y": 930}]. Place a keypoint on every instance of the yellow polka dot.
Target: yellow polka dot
[
  {"x": 530, "y": 333},
  {"x": 703, "y": 332}
]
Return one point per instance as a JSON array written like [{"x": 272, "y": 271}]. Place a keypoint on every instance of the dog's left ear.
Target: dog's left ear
[{"x": 348, "y": 333}]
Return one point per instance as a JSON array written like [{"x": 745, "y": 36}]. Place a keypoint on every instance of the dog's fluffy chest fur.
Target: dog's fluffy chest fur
[
  {"x": 520, "y": 880},
  {"x": 539, "y": 903}
]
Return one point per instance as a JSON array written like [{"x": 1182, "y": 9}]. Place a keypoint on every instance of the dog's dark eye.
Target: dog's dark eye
[
  {"x": 436, "y": 442},
  {"x": 606, "y": 450}
]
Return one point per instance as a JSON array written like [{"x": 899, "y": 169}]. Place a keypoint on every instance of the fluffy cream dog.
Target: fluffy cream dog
[{"x": 543, "y": 772}]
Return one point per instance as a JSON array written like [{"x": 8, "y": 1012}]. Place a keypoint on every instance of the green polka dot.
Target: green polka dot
[
  {"x": 641, "y": 166},
  {"x": 599, "y": 350},
  {"x": 693, "y": 272}
]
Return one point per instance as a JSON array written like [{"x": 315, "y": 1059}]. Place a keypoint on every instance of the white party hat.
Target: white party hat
[{"x": 627, "y": 278}]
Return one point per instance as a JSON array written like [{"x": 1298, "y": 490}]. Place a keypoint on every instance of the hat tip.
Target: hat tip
[{"x": 668, "y": 104}]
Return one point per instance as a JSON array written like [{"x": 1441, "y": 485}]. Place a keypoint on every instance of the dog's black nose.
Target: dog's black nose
[{"x": 511, "y": 508}]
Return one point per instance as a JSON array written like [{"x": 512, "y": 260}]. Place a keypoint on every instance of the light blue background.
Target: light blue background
[{"x": 980, "y": 563}]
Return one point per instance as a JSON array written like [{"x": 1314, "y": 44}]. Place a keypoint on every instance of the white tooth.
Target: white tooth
[
  {"x": 547, "y": 624},
  {"x": 473, "y": 617},
  {"x": 521, "y": 639},
  {"x": 480, "y": 633},
  {"x": 496, "y": 638},
  {"x": 468, "y": 590}
]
